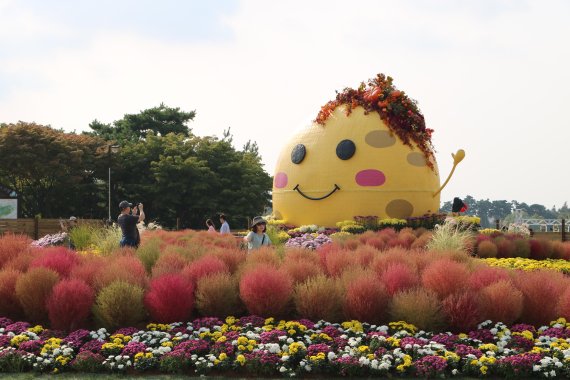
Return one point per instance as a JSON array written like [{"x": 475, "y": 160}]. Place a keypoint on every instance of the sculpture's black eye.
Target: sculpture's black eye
[
  {"x": 298, "y": 153},
  {"x": 345, "y": 149}
]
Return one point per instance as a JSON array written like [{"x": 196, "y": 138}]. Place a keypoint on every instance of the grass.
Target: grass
[{"x": 450, "y": 237}]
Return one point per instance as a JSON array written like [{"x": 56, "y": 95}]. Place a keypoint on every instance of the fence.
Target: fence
[
  {"x": 37, "y": 227},
  {"x": 559, "y": 230}
]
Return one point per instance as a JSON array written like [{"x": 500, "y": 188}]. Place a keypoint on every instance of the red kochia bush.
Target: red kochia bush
[
  {"x": 69, "y": 304},
  {"x": 563, "y": 306},
  {"x": 123, "y": 268},
  {"x": 338, "y": 261},
  {"x": 58, "y": 259},
  {"x": 265, "y": 290},
  {"x": 170, "y": 262},
  {"x": 445, "y": 277},
  {"x": 366, "y": 300},
  {"x": 11, "y": 246},
  {"x": 398, "y": 277},
  {"x": 88, "y": 269},
  {"x": 301, "y": 270},
  {"x": 540, "y": 249},
  {"x": 500, "y": 302},
  {"x": 485, "y": 276},
  {"x": 461, "y": 311},
  {"x": 540, "y": 289},
  {"x": 505, "y": 247},
  {"x": 170, "y": 298},
  {"x": 204, "y": 266},
  {"x": 9, "y": 305}
]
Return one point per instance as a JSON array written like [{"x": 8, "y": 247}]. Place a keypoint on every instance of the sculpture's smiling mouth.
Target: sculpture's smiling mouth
[{"x": 316, "y": 198}]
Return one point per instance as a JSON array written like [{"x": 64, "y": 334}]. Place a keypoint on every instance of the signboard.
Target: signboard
[{"x": 8, "y": 208}]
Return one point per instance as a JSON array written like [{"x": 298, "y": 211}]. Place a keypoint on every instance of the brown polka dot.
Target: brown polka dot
[
  {"x": 399, "y": 208},
  {"x": 380, "y": 139},
  {"x": 417, "y": 159}
]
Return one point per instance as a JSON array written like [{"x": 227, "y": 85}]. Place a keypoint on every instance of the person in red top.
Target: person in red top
[{"x": 128, "y": 223}]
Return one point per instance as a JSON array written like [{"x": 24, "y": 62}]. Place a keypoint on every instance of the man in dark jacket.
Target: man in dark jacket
[{"x": 128, "y": 223}]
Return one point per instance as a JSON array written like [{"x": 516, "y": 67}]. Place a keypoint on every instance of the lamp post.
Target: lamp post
[{"x": 112, "y": 150}]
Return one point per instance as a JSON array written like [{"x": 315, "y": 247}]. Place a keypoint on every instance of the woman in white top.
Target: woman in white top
[{"x": 257, "y": 236}]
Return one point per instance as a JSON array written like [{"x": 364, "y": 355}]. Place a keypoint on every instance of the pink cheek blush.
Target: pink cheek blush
[
  {"x": 280, "y": 180},
  {"x": 370, "y": 177}
]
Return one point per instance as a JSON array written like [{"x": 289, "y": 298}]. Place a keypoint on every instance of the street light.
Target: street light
[{"x": 112, "y": 149}]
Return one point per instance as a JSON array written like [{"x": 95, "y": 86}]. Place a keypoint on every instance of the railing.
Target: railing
[{"x": 37, "y": 227}]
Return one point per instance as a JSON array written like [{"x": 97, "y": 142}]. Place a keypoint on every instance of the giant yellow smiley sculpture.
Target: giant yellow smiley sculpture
[{"x": 368, "y": 153}]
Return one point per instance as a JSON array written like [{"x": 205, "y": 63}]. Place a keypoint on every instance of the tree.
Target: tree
[
  {"x": 192, "y": 179},
  {"x": 53, "y": 172},
  {"x": 160, "y": 120}
]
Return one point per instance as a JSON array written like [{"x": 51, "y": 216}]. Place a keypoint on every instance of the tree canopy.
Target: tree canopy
[{"x": 180, "y": 177}]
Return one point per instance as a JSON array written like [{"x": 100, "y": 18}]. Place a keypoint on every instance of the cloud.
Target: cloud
[{"x": 489, "y": 76}]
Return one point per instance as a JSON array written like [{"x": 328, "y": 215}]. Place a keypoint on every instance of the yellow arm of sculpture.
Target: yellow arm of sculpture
[{"x": 457, "y": 158}]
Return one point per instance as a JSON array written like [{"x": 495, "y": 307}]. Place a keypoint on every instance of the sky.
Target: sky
[{"x": 490, "y": 76}]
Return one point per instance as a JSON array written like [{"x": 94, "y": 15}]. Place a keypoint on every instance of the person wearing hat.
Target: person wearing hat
[
  {"x": 128, "y": 224},
  {"x": 257, "y": 236},
  {"x": 67, "y": 226}
]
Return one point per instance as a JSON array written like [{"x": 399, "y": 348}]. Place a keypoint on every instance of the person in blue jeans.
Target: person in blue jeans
[{"x": 128, "y": 223}]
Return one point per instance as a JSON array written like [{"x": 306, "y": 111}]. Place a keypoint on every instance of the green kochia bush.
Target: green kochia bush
[
  {"x": 119, "y": 304},
  {"x": 33, "y": 290}
]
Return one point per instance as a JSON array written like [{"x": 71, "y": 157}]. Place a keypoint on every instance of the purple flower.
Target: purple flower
[
  {"x": 264, "y": 357},
  {"x": 4, "y": 340},
  {"x": 195, "y": 346},
  {"x": 128, "y": 331},
  {"x": 431, "y": 365},
  {"x": 252, "y": 320},
  {"x": 271, "y": 336},
  {"x": 411, "y": 341},
  {"x": 556, "y": 332},
  {"x": 17, "y": 327},
  {"x": 133, "y": 348},
  {"x": 314, "y": 349},
  {"x": 207, "y": 322},
  {"x": 447, "y": 340},
  {"x": 32, "y": 346},
  {"x": 520, "y": 363},
  {"x": 464, "y": 350},
  {"x": 77, "y": 338},
  {"x": 93, "y": 346},
  {"x": 484, "y": 335},
  {"x": 522, "y": 327},
  {"x": 5, "y": 321}
]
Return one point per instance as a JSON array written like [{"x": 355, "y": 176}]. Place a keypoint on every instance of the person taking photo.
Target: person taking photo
[{"x": 128, "y": 220}]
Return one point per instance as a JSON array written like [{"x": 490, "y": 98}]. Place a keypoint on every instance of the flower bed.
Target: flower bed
[
  {"x": 529, "y": 264},
  {"x": 254, "y": 346},
  {"x": 174, "y": 276}
]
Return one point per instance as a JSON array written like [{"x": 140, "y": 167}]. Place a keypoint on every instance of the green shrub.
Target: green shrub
[
  {"x": 419, "y": 307},
  {"x": 119, "y": 304},
  {"x": 217, "y": 295},
  {"x": 486, "y": 249},
  {"x": 148, "y": 253},
  {"x": 522, "y": 248},
  {"x": 174, "y": 364},
  {"x": 277, "y": 236},
  {"x": 319, "y": 297},
  {"x": 33, "y": 289},
  {"x": 107, "y": 239},
  {"x": 81, "y": 236}
]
